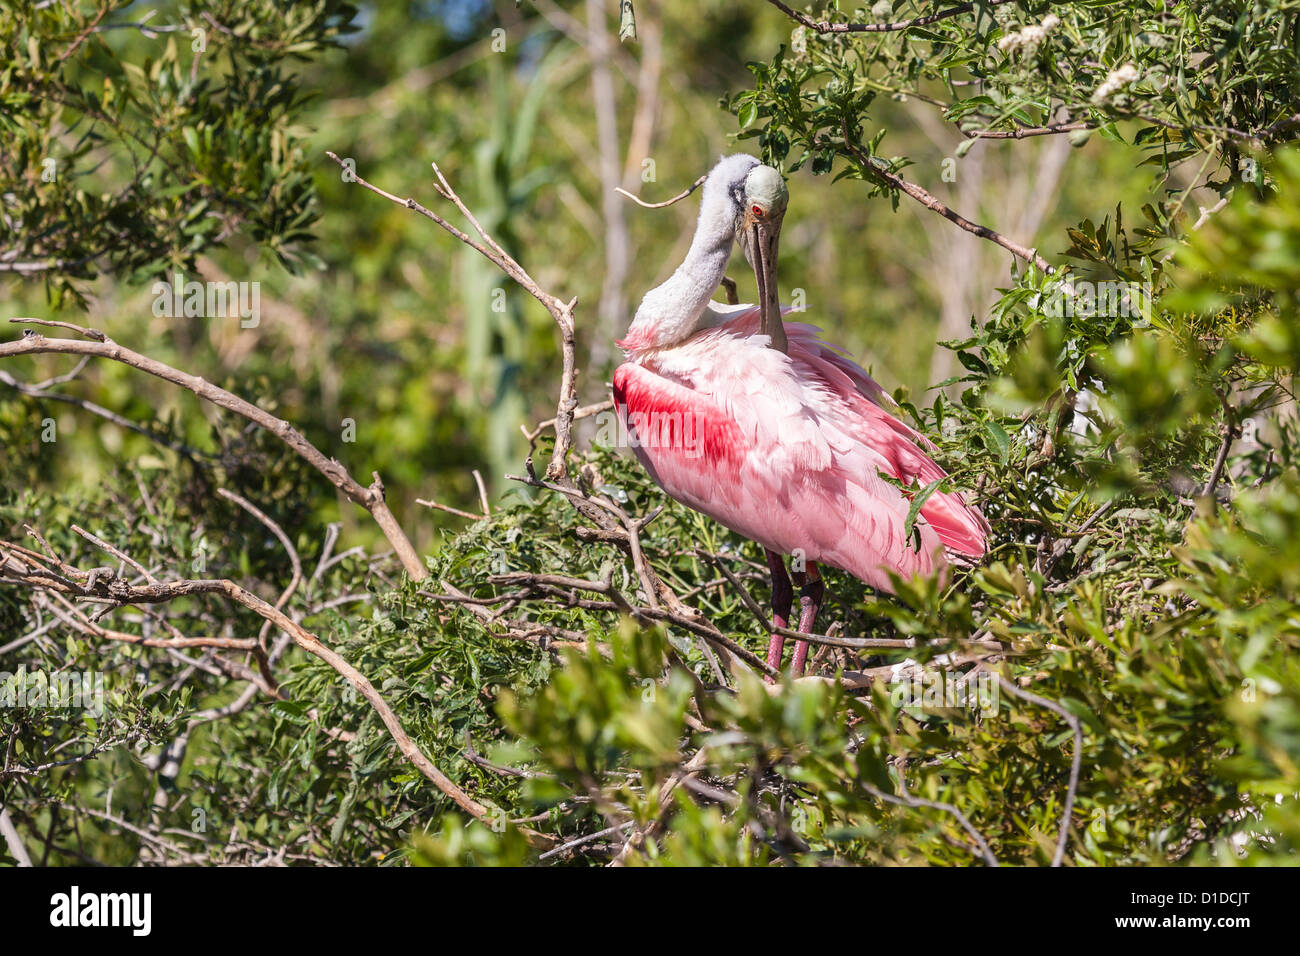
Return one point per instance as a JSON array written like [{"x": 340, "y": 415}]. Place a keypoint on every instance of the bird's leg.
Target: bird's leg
[
  {"x": 782, "y": 597},
  {"x": 811, "y": 591}
]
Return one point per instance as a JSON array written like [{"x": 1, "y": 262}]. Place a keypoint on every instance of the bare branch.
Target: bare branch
[
  {"x": 490, "y": 249},
  {"x": 667, "y": 202},
  {"x": 586, "y": 411},
  {"x": 907, "y": 800},
  {"x": 1230, "y": 431},
  {"x": 428, "y": 503},
  {"x": 482, "y": 494},
  {"x": 41, "y": 391},
  {"x": 295, "y": 563},
  {"x": 372, "y": 498},
  {"x": 1025, "y": 132},
  {"x": 120, "y": 555},
  {"x": 13, "y": 839}
]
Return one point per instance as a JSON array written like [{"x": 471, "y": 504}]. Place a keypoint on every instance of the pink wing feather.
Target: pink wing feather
[{"x": 787, "y": 450}]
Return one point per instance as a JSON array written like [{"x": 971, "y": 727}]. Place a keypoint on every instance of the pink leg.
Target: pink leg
[
  {"x": 782, "y": 597},
  {"x": 811, "y": 591}
]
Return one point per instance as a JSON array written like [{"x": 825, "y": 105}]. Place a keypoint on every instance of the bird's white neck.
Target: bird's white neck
[{"x": 671, "y": 312}]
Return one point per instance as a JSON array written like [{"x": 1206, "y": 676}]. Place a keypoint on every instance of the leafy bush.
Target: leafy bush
[{"x": 1115, "y": 684}]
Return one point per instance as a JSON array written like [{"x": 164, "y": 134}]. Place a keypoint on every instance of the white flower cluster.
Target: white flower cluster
[
  {"x": 1116, "y": 79},
  {"x": 1027, "y": 39}
]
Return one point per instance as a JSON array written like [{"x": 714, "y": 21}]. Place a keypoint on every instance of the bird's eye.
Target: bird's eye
[{"x": 757, "y": 210}]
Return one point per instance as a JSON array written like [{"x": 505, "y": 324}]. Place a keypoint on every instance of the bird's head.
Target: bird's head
[
  {"x": 742, "y": 199},
  {"x": 762, "y": 201}
]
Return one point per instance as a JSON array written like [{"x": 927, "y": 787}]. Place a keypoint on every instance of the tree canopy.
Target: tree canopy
[{"x": 494, "y": 640}]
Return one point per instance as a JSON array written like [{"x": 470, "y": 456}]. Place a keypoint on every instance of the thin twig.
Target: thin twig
[
  {"x": 581, "y": 841},
  {"x": 115, "y": 552},
  {"x": 667, "y": 202},
  {"x": 1076, "y": 761},
  {"x": 40, "y": 392},
  {"x": 295, "y": 563},
  {"x": 910, "y": 801},
  {"x": 427, "y": 503},
  {"x": 1024, "y": 132},
  {"x": 482, "y": 494}
]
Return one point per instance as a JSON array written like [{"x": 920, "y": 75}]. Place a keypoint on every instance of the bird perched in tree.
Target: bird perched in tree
[{"x": 770, "y": 431}]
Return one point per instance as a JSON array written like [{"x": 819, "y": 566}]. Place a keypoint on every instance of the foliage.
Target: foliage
[
  {"x": 134, "y": 165},
  {"x": 1133, "y": 445}
]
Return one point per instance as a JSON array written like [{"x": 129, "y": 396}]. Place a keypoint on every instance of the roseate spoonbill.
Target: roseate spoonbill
[{"x": 770, "y": 431}]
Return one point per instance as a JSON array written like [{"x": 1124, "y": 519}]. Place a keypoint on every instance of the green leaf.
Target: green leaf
[
  {"x": 291, "y": 710},
  {"x": 918, "y": 502},
  {"x": 1001, "y": 441}
]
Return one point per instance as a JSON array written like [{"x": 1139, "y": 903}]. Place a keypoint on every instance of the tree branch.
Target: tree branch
[
  {"x": 123, "y": 592},
  {"x": 1230, "y": 431},
  {"x": 13, "y": 839},
  {"x": 101, "y": 346},
  {"x": 876, "y": 167},
  {"x": 490, "y": 249},
  {"x": 826, "y": 26}
]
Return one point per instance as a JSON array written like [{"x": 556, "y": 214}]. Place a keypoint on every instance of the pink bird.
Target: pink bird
[{"x": 770, "y": 431}]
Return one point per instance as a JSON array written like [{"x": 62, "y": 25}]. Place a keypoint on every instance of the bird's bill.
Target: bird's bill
[{"x": 764, "y": 238}]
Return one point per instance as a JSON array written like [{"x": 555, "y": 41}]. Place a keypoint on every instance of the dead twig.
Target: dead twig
[
  {"x": 667, "y": 202},
  {"x": 878, "y": 168}
]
